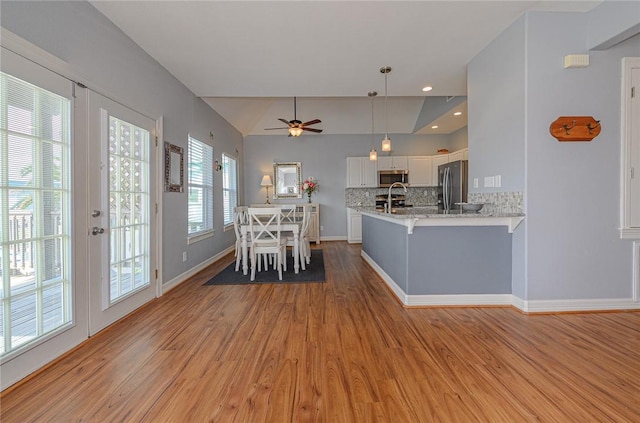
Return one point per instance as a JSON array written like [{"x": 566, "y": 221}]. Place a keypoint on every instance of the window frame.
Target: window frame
[
  {"x": 207, "y": 190},
  {"x": 227, "y": 209}
]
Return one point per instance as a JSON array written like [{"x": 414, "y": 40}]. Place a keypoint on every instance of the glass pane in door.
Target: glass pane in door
[
  {"x": 35, "y": 272},
  {"x": 129, "y": 214}
]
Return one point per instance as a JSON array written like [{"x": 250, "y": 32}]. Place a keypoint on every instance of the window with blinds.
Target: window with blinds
[
  {"x": 35, "y": 289},
  {"x": 229, "y": 187},
  {"x": 200, "y": 185}
]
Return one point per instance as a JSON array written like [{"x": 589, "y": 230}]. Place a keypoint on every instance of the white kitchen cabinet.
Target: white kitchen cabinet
[
  {"x": 354, "y": 226},
  {"x": 456, "y": 155},
  {"x": 438, "y": 160},
  {"x": 361, "y": 172},
  {"x": 420, "y": 171},
  {"x": 392, "y": 162}
]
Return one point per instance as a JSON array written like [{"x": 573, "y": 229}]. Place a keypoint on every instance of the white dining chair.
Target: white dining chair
[
  {"x": 288, "y": 212},
  {"x": 240, "y": 217},
  {"x": 304, "y": 247},
  {"x": 266, "y": 237}
]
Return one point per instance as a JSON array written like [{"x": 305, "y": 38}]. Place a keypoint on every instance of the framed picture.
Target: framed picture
[{"x": 173, "y": 168}]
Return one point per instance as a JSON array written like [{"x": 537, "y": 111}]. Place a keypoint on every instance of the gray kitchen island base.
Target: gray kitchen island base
[{"x": 440, "y": 265}]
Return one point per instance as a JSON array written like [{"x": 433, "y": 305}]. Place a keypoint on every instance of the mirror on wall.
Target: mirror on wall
[
  {"x": 173, "y": 168},
  {"x": 287, "y": 180}
]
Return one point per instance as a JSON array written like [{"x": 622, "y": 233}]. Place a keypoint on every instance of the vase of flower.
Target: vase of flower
[{"x": 309, "y": 186}]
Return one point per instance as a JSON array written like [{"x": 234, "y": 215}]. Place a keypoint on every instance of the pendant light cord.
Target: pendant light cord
[{"x": 386, "y": 114}]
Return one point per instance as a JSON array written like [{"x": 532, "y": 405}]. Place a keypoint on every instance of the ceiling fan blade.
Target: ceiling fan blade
[
  {"x": 286, "y": 122},
  {"x": 312, "y": 122},
  {"x": 269, "y": 129},
  {"x": 312, "y": 130}
]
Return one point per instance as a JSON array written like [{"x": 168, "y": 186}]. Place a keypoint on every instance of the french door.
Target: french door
[{"x": 122, "y": 213}]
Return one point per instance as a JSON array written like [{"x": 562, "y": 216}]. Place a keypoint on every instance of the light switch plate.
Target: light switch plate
[
  {"x": 475, "y": 182},
  {"x": 498, "y": 180},
  {"x": 489, "y": 181}
]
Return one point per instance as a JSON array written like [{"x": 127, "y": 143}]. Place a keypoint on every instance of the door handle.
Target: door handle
[{"x": 96, "y": 231}]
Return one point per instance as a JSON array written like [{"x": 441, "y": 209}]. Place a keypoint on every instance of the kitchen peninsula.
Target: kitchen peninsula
[{"x": 431, "y": 258}]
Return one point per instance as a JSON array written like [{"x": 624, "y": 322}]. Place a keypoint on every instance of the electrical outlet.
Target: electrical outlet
[
  {"x": 366, "y": 193},
  {"x": 322, "y": 227},
  {"x": 184, "y": 256},
  {"x": 475, "y": 182}
]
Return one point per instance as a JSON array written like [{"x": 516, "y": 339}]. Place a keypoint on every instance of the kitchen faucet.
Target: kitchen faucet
[{"x": 389, "y": 196}]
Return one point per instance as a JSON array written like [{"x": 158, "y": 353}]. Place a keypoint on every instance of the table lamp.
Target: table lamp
[{"x": 266, "y": 182}]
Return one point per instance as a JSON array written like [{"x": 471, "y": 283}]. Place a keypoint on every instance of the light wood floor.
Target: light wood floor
[{"x": 342, "y": 351}]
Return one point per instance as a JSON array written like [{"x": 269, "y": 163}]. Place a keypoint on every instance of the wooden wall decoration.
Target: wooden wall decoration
[{"x": 575, "y": 128}]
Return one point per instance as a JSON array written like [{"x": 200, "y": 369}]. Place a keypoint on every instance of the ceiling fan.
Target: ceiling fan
[{"x": 296, "y": 126}]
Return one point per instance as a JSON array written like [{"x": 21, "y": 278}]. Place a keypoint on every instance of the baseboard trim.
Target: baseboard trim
[
  {"x": 333, "y": 238},
  {"x": 397, "y": 291},
  {"x": 466, "y": 300},
  {"x": 501, "y": 300},
  {"x": 577, "y": 305},
  {"x": 169, "y": 285}
]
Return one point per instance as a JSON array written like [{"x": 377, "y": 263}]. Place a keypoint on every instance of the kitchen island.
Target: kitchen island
[{"x": 433, "y": 258}]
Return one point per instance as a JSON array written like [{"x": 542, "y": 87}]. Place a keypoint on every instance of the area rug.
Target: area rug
[{"x": 314, "y": 273}]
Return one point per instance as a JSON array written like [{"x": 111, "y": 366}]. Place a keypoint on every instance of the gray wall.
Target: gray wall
[
  {"x": 496, "y": 109},
  {"x": 569, "y": 246},
  {"x": 573, "y": 251},
  {"x": 116, "y": 67},
  {"x": 324, "y": 158}
]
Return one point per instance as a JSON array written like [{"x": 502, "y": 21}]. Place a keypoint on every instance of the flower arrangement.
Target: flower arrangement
[{"x": 309, "y": 186}]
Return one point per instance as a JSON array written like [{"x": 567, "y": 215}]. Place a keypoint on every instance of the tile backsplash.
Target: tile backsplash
[
  {"x": 498, "y": 202},
  {"x": 366, "y": 197},
  {"x": 495, "y": 202}
]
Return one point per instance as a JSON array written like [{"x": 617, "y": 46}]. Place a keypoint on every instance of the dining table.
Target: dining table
[{"x": 287, "y": 226}]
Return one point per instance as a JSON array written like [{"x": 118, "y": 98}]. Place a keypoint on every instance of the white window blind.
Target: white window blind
[
  {"x": 229, "y": 187},
  {"x": 200, "y": 182},
  {"x": 35, "y": 288}
]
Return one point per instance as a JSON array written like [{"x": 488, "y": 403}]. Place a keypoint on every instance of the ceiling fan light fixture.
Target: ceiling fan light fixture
[
  {"x": 386, "y": 142},
  {"x": 295, "y": 132}
]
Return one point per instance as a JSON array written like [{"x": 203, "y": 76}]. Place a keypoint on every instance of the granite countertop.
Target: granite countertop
[{"x": 432, "y": 212}]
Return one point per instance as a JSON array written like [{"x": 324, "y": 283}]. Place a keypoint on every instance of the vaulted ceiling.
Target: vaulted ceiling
[{"x": 248, "y": 59}]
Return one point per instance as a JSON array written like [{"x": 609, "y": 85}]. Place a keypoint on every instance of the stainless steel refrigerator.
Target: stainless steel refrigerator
[{"x": 452, "y": 183}]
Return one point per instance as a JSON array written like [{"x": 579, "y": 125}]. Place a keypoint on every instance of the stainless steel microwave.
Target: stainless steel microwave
[{"x": 388, "y": 177}]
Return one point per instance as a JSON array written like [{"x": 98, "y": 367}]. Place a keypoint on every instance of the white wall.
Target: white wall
[{"x": 112, "y": 64}]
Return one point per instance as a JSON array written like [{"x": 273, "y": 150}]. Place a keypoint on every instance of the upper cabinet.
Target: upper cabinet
[
  {"x": 456, "y": 155},
  {"x": 361, "y": 172},
  {"x": 438, "y": 160},
  {"x": 420, "y": 171},
  {"x": 393, "y": 163},
  {"x": 423, "y": 170}
]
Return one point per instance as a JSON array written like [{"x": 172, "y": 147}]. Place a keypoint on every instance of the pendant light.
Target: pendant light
[
  {"x": 373, "y": 154},
  {"x": 386, "y": 142}
]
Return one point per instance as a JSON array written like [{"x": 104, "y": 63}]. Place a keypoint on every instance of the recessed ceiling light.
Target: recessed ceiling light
[
  {"x": 457, "y": 113},
  {"x": 427, "y": 88},
  {"x": 434, "y": 127}
]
